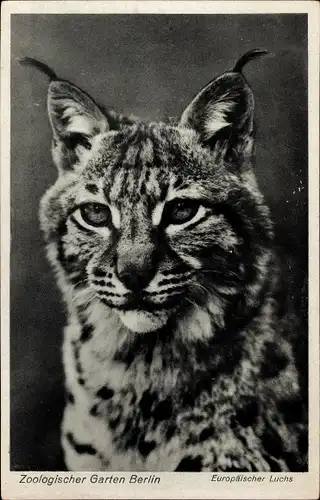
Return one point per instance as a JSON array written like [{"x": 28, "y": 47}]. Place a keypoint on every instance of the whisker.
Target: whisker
[
  {"x": 191, "y": 302},
  {"x": 89, "y": 301},
  {"x": 101, "y": 301},
  {"x": 201, "y": 286},
  {"x": 212, "y": 271},
  {"x": 73, "y": 286},
  {"x": 78, "y": 294}
]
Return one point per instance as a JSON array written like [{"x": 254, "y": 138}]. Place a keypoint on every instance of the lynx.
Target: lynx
[{"x": 178, "y": 348}]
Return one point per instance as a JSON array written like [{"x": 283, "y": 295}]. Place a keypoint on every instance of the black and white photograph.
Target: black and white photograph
[{"x": 159, "y": 253}]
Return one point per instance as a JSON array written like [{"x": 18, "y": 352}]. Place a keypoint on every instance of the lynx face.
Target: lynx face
[{"x": 153, "y": 220}]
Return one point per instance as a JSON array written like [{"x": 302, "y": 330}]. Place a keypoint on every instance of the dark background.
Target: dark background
[{"x": 152, "y": 66}]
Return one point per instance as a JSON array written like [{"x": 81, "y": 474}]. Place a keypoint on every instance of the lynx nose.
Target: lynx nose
[
  {"x": 134, "y": 279},
  {"x": 136, "y": 269}
]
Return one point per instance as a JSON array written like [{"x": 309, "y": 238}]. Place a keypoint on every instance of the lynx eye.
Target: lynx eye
[
  {"x": 180, "y": 211},
  {"x": 95, "y": 214}
]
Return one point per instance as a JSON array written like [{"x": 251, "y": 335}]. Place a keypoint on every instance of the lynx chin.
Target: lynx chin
[{"x": 178, "y": 348}]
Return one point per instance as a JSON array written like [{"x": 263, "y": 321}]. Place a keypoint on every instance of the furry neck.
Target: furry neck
[{"x": 194, "y": 340}]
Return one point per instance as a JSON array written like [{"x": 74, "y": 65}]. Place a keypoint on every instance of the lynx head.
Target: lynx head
[{"x": 159, "y": 222}]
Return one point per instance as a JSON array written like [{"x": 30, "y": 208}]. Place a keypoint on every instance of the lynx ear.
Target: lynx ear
[
  {"x": 226, "y": 102},
  {"x": 222, "y": 113},
  {"x": 75, "y": 120}
]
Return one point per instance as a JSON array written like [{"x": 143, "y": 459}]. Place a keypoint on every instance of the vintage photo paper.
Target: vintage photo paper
[{"x": 160, "y": 249}]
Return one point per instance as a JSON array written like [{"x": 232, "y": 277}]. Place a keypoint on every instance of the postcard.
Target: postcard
[{"x": 160, "y": 250}]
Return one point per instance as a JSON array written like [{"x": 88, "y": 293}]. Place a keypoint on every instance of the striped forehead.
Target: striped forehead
[
  {"x": 140, "y": 170},
  {"x": 145, "y": 163}
]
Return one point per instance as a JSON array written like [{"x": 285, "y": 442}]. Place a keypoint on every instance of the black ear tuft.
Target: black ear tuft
[
  {"x": 29, "y": 61},
  {"x": 247, "y": 57}
]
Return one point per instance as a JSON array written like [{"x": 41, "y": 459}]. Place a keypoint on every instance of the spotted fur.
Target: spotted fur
[{"x": 177, "y": 352}]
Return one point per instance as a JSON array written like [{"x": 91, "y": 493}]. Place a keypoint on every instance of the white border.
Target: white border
[
  {"x": 173, "y": 485},
  {"x": 161, "y": 7}
]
